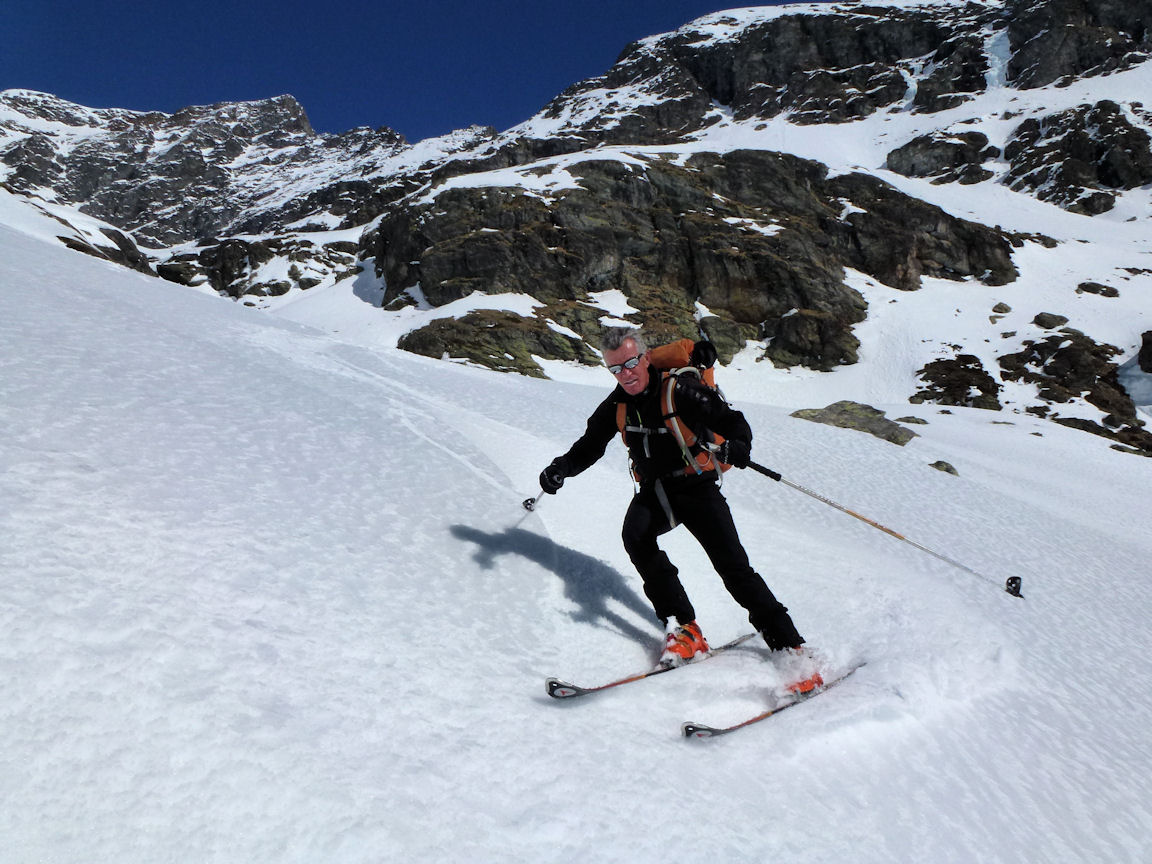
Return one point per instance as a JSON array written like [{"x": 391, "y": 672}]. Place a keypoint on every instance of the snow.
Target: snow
[
  {"x": 269, "y": 596},
  {"x": 730, "y": 23},
  {"x": 615, "y": 304},
  {"x": 268, "y": 593}
]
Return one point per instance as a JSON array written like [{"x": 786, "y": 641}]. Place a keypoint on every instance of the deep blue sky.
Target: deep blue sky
[{"x": 422, "y": 67}]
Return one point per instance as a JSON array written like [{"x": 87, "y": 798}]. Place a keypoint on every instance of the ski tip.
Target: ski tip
[
  {"x": 697, "y": 731},
  {"x": 558, "y": 689}
]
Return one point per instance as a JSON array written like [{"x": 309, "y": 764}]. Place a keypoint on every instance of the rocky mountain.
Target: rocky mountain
[{"x": 762, "y": 177}]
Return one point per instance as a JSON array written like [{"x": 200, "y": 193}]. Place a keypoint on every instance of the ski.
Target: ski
[
  {"x": 558, "y": 689},
  {"x": 700, "y": 731}
]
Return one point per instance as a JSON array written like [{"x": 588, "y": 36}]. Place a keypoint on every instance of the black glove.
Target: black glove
[
  {"x": 735, "y": 452},
  {"x": 703, "y": 355},
  {"x": 552, "y": 477}
]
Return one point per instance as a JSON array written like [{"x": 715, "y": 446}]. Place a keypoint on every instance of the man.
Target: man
[{"x": 675, "y": 490}]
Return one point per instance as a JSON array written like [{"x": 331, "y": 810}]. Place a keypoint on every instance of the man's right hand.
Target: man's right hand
[{"x": 552, "y": 477}]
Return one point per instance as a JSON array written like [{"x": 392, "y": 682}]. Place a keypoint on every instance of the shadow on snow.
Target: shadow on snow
[{"x": 588, "y": 582}]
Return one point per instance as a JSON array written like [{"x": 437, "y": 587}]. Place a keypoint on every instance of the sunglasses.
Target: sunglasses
[{"x": 627, "y": 364}]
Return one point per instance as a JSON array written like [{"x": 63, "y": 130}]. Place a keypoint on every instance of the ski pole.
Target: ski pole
[
  {"x": 530, "y": 504},
  {"x": 1012, "y": 586}
]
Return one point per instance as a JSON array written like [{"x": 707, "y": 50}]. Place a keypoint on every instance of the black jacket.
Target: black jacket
[{"x": 698, "y": 405}]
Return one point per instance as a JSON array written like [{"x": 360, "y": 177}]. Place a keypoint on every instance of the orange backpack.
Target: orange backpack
[{"x": 674, "y": 360}]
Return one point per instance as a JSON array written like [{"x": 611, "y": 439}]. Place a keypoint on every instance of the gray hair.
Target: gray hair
[{"x": 614, "y": 337}]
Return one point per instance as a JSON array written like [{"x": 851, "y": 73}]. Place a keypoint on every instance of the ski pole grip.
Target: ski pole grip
[{"x": 767, "y": 472}]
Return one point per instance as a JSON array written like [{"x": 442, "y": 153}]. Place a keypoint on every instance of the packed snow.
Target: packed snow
[{"x": 269, "y": 596}]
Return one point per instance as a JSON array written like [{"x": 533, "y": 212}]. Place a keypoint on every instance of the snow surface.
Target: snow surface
[
  {"x": 268, "y": 593},
  {"x": 268, "y": 596}
]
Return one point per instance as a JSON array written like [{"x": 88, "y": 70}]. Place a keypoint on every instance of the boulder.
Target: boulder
[
  {"x": 1097, "y": 288},
  {"x": 183, "y": 270},
  {"x": 863, "y": 418},
  {"x": 1049, "y": 320},
  {"x": 812, "y": 338},
  {"x": 945, "y": 157}
]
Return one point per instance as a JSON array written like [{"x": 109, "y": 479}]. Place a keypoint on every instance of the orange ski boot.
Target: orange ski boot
[
  {"x": 806, "y": 675},
  {"x": 682, "y": 643}
]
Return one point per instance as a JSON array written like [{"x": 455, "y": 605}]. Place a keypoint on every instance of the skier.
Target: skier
[{"x": 672, "y": 490}]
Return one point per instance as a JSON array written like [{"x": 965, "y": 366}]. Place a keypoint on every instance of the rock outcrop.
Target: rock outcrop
[
  {"x": 961, "y": 381},
  {"x": 1069, "y": 365},
  {"x": 760, "y": 239},
  {"x": 1079, "y": 158}
]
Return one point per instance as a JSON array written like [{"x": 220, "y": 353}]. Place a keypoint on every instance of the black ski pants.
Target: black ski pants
[{"x": 697, "y": 504}]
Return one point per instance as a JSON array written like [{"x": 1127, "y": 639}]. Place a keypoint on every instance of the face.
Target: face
[{"x": 632, "y": 380}]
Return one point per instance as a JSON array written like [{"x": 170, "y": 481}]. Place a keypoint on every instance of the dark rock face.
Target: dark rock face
[
  {"x": 760, "y": 239},
  {"x": 1072, "y": 158},
  {"x": 172, "y": 178},
  {"x": 960, "y": 381},
  {"x": 232, "y": 267},
  {"x": 839, "y": 67},
  {"x": 1144, "y": 358},
  {"x": 945, "y": 157},
  {"x": 863, "y": 418},
  {"x": 899, "y": 239},
  {"x": 959, "y": 69},
  {"x": 124, "y": 251},
  {"x": 830, "y": 68},
  {"x": 1055, "y": 40}
]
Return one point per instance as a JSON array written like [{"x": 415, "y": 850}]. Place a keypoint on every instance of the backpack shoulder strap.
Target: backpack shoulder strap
[{"x": 698, "y": 455}]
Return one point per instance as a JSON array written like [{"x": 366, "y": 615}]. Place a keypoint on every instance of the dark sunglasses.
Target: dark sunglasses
[{"x": 627, "y": 364}]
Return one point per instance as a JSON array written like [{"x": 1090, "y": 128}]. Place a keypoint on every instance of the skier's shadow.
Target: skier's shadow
[{"x": 588, "y": 583}]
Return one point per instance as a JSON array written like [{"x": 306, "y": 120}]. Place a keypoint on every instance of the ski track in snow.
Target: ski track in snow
[{"x": 270, "y": 597}]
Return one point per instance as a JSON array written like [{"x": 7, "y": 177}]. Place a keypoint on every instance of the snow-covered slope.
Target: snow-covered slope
[{"x": 270, "y": 597}]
